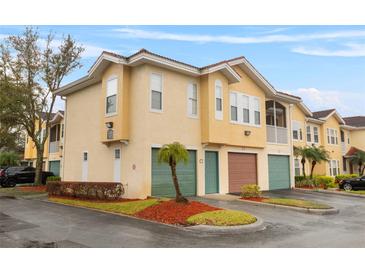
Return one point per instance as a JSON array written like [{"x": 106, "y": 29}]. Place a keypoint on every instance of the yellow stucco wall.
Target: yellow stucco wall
[{"x": 357, "y": 139}]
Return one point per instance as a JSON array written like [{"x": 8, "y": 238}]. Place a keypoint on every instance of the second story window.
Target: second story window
[
  {"x": 218, "y": 100},
  {"x": 192, "y": 100},
  {"x": 256, "y": 111},
  {"x": 234, "y": 108},
  {"x": 246, "y": 109},
  {"x": 332, "y": 138},
  {"x": 297, "y": 131},
  {"x": 315, "y": 135},
  {"x": 309, "y": 134},
  {"x": 156, "y": 92},
  {"x": 111, "y": 95}
]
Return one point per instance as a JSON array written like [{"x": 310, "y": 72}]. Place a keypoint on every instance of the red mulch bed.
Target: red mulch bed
[
  {"x": 170, "y": 212},
  {"x": 310, "y": 187},
  {"x": 255, "y": 199},
  {"x": 33, "y": 188},
  {"x": 121, "y": 200}
]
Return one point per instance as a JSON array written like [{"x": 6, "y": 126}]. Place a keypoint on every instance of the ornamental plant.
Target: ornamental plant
[{"x": 250, "y": 191}]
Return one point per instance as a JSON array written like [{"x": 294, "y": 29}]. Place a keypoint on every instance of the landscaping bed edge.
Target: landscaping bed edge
[{"x": 342, "y": 193}]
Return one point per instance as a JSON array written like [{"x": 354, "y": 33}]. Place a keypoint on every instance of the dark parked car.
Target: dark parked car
[
  {"x": 11, "y": 176},
  {"x": 353, "y": 183}
]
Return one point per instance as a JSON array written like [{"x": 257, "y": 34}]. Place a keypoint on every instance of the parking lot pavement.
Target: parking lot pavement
[{"x": 33, "y": 223}]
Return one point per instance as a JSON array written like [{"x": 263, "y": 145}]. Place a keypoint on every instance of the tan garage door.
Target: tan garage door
[{"x": 242, "y": 170}]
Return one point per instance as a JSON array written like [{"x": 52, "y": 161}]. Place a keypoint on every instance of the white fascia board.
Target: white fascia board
[{"x": 226, "y": 69}]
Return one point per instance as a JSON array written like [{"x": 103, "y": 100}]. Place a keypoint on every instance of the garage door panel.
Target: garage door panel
[
  {"x": 242, "y": 169},
  {"x": 279, "y": 172},
  {"x": 162, "y": 184}
]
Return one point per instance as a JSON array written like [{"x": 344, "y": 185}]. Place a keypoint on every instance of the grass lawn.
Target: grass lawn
[
  {"x": 222, "y": 218},
  {"x": 20, "y": 191},
  {"x": 129, "y": 208},
  {"x": 295, "y": 203},
  {"x": 361, "y": 192}
]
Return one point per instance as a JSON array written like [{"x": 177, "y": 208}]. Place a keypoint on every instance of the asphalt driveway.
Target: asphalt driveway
[{"x": 34, "y": 223}]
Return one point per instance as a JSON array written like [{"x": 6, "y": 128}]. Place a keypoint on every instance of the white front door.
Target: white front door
[
  {"x": 85, "y": 166},
  {"x": 117, "y": 165}
]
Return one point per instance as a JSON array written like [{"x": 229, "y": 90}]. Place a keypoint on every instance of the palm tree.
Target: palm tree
[
  {"x": 301, "y": 152},
  {"x": 172, "y": 154},
  {"x": 9, "y": 158},
  {"x": 316, "y": 155},
  {"x": 359, "y": 159}
]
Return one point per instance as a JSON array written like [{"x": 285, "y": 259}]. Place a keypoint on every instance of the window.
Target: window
[
  {"x": 246, "y": 109},
  {"x": 344, "y": 166},
  {"x": 111, "y": 95},
  {"x": 192, "y": 100},
  {"x": 62, "y": 130},
  {"x": 334, "y": 166},
  {"x": 348, "y": 140},
  {"x": 218, "y": 100},
  {"x": 342, "y": 136},
  {"x": 234, "y": 109},
  {"x": 309, "y": 134},
  {"x": 297, "y": 167},
  {"x": 315, "y": 135},
  {"x": 256, "y": 109},
  {"x": 156, "y": 92},
  {"x": 275, "y": 114},
  {"x": 85, "y": 156},
  {"x": 297, "y": 131},
  {"x": 117, "y": 153},
  {"x": 332, "y": 136}
]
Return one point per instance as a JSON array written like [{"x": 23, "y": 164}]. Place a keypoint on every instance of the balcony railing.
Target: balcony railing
[
  {"x": 343, "y": 148},
  {"x": 54, "y": 146},
  {"x": 278, "y": 135}
]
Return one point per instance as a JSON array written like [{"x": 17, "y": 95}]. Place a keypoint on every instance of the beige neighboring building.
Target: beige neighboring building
[
  {"x": 52, "y": 156},
  {"x": 234, "y": 123}
]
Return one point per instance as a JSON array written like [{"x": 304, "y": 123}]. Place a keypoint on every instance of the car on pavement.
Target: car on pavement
[
  {"x": 353, "y": 183},
  {"x": 11, "y": 176}
]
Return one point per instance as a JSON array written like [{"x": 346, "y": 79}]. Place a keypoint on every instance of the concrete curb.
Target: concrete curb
[
  {"x": 341, "y": 193},
  {"x": 257, "y": 226},
  {"x": 299, "y": 209},
  {"x": 237, "y": 229}
]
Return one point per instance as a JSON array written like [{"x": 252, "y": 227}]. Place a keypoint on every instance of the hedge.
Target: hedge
[
  {"x": 340, "y": 177},
  {"x": 53, "y": 178},
  {"x": 86, "y": 190},
  {"x": 250, "y": 191},
  {"x": 324, "y": 181}
]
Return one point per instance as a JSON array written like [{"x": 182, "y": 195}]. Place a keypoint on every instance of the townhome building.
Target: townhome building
[
  {"x": 53, "y": 148},
  {"x": 234, "y": 123}
]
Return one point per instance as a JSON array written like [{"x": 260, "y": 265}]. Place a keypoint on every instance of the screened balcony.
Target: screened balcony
[{"x": 276, "y": 125}]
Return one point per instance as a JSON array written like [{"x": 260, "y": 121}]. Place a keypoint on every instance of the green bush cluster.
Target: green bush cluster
[
  {"x": 250, "y": 191},
  {"x": 299, "y": 178},
  {"x": 53, "y": 178},
  {"x": 340, "y": 177},
  {"x": 324, "y": 181}
]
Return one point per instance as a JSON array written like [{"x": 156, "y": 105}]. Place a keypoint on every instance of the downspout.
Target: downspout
[
  {"x": 292, "y": 175},
  {"x": 64, "y": 138}
]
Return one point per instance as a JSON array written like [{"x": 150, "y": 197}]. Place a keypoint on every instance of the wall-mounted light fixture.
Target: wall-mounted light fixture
[
  {"x": 247, "y": 132},
  {"x": 109, "y": 124}
]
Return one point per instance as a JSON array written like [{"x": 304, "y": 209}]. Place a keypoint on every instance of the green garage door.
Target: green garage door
[
  {"x": 54, "y": 166},
  {"x": 162, "y": 184},
  {"x": 279, "y": 172}
]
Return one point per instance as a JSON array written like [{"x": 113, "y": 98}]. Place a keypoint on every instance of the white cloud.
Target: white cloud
[
  {"x": 346, "y": 103},
  {"x": 160, "y": 35},
  {"x": 351, "y": 50}
]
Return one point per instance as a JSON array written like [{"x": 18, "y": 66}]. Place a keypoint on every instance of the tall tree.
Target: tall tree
[
  {"x": 302, "y": 152},
  {"x": 316, "y": 155},
  {"x": 172, "y": 154},
  {"x": 31, "y": 69}
]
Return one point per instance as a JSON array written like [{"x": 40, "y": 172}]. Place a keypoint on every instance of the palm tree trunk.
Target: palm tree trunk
[
  {"x": 303, "y": 167},
  {"x": 362, "y": 171},
  {"x": 312, "y": 169},
  {"x": 179, "y": 197}
]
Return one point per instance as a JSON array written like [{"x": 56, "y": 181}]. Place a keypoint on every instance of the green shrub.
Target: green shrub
[
  {"x": 299, "y": 178},
  {"x": 340, "y": 177},
  {"x": 53, "y": 178},
  {"x": 307, "y": 182},
  {"x": 9, "y": 159},
  {"x": 250, "y": 191},
  {"x": 324, "y": 181}
]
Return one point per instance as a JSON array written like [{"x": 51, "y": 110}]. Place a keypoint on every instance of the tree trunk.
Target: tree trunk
[
  {"x": 312, "y": 169},
  {"x": 360, "y": 165},
  {"x": 39, "y": 167},
  {"x": 179, "y": 197},
  {"x": 303, "y": 167},
  {"x": 362, "y": 171}
]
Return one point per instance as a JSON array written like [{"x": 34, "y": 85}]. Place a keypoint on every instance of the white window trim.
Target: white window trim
[
  {"x": 230, "y": 111},
  {"x": 310, "y": 134},
  {"x": 335, "y": 135},
  {"x": 116, "y": 97},
  {"x": 297, "y": 167},
  {"x": 218, "y": 113},
  {"x": 300, "y": 124},
  {"x": 331, "y": 167},
  {"x": 313, "y": 127},
  {"x": 250, "y": 109},
  {"x": 190, "y": 115},
  {"x": 162, "y": 93}
]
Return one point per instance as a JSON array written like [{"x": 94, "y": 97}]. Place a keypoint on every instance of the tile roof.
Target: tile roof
[
  {"x": 355, "y": 121},
  {"x": 322, "y": 113},
  {"x": 352, "y": 151}
]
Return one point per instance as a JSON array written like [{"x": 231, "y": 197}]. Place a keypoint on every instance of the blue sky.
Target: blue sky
[{"x": 325, "y": 65}]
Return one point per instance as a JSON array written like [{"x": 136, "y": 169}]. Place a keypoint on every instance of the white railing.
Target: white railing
[
  {"x": 343, "y": 148},
  {"x": 277, "y": 135},
  {"x": 54, "y": 147}
]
